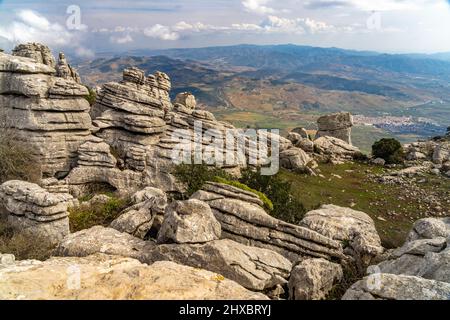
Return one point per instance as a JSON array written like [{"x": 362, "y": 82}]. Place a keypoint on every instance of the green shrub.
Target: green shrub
[
  {"x": 21, "y": 246},
  {"x": 195, "y": 176},
  {"x": 285, "y": 206},
  {"x": 267, "y": 203},
  {"x": 91, "y": 97},
  {"x": 87, "y": 215},
  {"x": 17, "y": 161},
  {"x": 390, "y": 150}
]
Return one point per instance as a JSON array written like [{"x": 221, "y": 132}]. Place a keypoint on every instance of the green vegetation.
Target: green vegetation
[
  {"x": 91, "y": 97},
  {"x": 195, "y": 176},
  {"x": 286, "y": 205},
  {"x": 272, "y": 190},
  {"x": 392, "y": 207},
  {"x": 390, "y": 150},
  {"x": 21, "y": 246},
  {"x": 17, "y": 161},
  {"x": 87, "y": 215},
  {"x": 267, "y": 203}
]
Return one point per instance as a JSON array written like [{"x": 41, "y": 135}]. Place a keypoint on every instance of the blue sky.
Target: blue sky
[{"x": 112, "y": 25}]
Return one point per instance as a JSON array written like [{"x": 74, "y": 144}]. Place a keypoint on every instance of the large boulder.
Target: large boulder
[
  {"x": 294, "y": 159},
  {"x": 34, "y": 212},
  {"x": 383, "y": 286},
  {"x": 102, "y": 277},
  {"x": 429, "y": 228},
  {"x": 186, "y": 99},
  {"x": 244, "y": 220},
  {"x": 334, "y": 149},
  {"x": 190, "y": 221},
  {"x": 337, "y": 125},
  {"x": 355, "y": 228},
  {"x": 99, "y": 239},
  {"x": 313, "y": 279},
  {"x": 138, "y": 219},
  {"x": 253, "y": 268}
]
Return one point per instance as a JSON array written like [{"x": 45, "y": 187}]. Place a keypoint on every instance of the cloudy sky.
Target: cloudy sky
[{"x": 86, "y": 27}]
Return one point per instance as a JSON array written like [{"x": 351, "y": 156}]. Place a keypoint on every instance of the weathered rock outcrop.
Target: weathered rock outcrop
[
  {"x": 420, "y": 269},
  {"x": 245, "y": 221},
  {"x": 337, "y": 125},
  {"x": 253, "y": 268},
  {"x": 64, "y": 70},
  {"x": 35, "y": 212},
  {"x": 313, "y": 279},
  {"x": 138, "y": 220},
  {"x": 334, "y": 150},
  {"x": 190, "y": 221},
  {"x": 353, "y": 227},
  {"x": 104, "y": 277},
  {"x": 102, "y": 240},
  {"x": 48, "y": 113},
  {"x": 383, "y": 286}
]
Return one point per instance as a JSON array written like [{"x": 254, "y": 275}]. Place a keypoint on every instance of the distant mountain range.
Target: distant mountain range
[{"x": 285, "y": 85}]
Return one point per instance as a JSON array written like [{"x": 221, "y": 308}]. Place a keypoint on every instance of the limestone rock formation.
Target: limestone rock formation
[
  {"x": 245, "y": 221},
  {"x": 64, "y": 70},
  {"x": 190, "y": 221},
  {"x": 335, "y": 150},
  {"x": 295, "y": 159},
  {"x": 34, "y": 211},
  {"x": 48, "y": 113},
  {"x": 99, "y": 239},
  {"x": 138, "y": 220},
  {"x": 383, "y": 286},
  {"x": 344, "y": 224},
  {"x": 337, "y": 125},
  {"x": 102, "y": 277},
  {"x": 254, "y": 268},
  {"x": 313, "y": 279},
  {"x": 429, "y": 228},
  {"x": 37, "y": 52},
  {"x": 186, "y": 99}
]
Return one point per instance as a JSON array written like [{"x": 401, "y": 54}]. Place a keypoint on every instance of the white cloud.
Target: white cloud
[
  {"x": 258, "y": 6},
  {"x": 298, "y": 25},
  {"x": 161, "y": 32},
  {"x": 122, "y": 40},
  {"x": 30, "y": 26},
  {"x": 84, "y": 52}
]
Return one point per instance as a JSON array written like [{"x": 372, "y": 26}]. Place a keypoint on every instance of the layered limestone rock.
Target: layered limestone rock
[
  {"x": 102, "y": 277},
  {"x": 48, "y": 113},
  {"x": 313, "y": 279},
  {"x": 37, "y": 52},
  {"x": 139, "y": 219},
  {"x": 64, "y": 70},
  {"x": 433, "y": 154},
  {"x": 295, "y": 159},
  {"x": 99, "y": 239},
  {"x": 334, "y": 150},
  {"x": 383, "y": 286},
  {"x": 420, "y": 269},
  {"x": 243, "y": 219},
  {"x": 337, "y": 125},
  {"x": 254, "y": 268},
  {"x": 353, "y": 227},
  {"x": 35, "y": 212},
  {"x": 186, "y": 99},
  {"x": 190, "y": 221}
]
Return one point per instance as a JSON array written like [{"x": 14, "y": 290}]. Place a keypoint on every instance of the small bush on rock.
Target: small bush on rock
[
  {"x": 21, "y": 246},
  {"x": 195, "y": 176},
  {"x": 267, "y": 203},
  {"x": 285, "y": 206},
  {"x": 88, "y": 215},
  {"x": 17, "y": 162},
  {"x": 390, "y": 150}
]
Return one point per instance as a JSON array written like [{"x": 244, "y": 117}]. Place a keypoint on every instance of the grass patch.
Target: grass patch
[
  {"x": 88, "y": 215},
  {"x": 355, "y": 190},
  {"x": 267, "y": 203}
]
